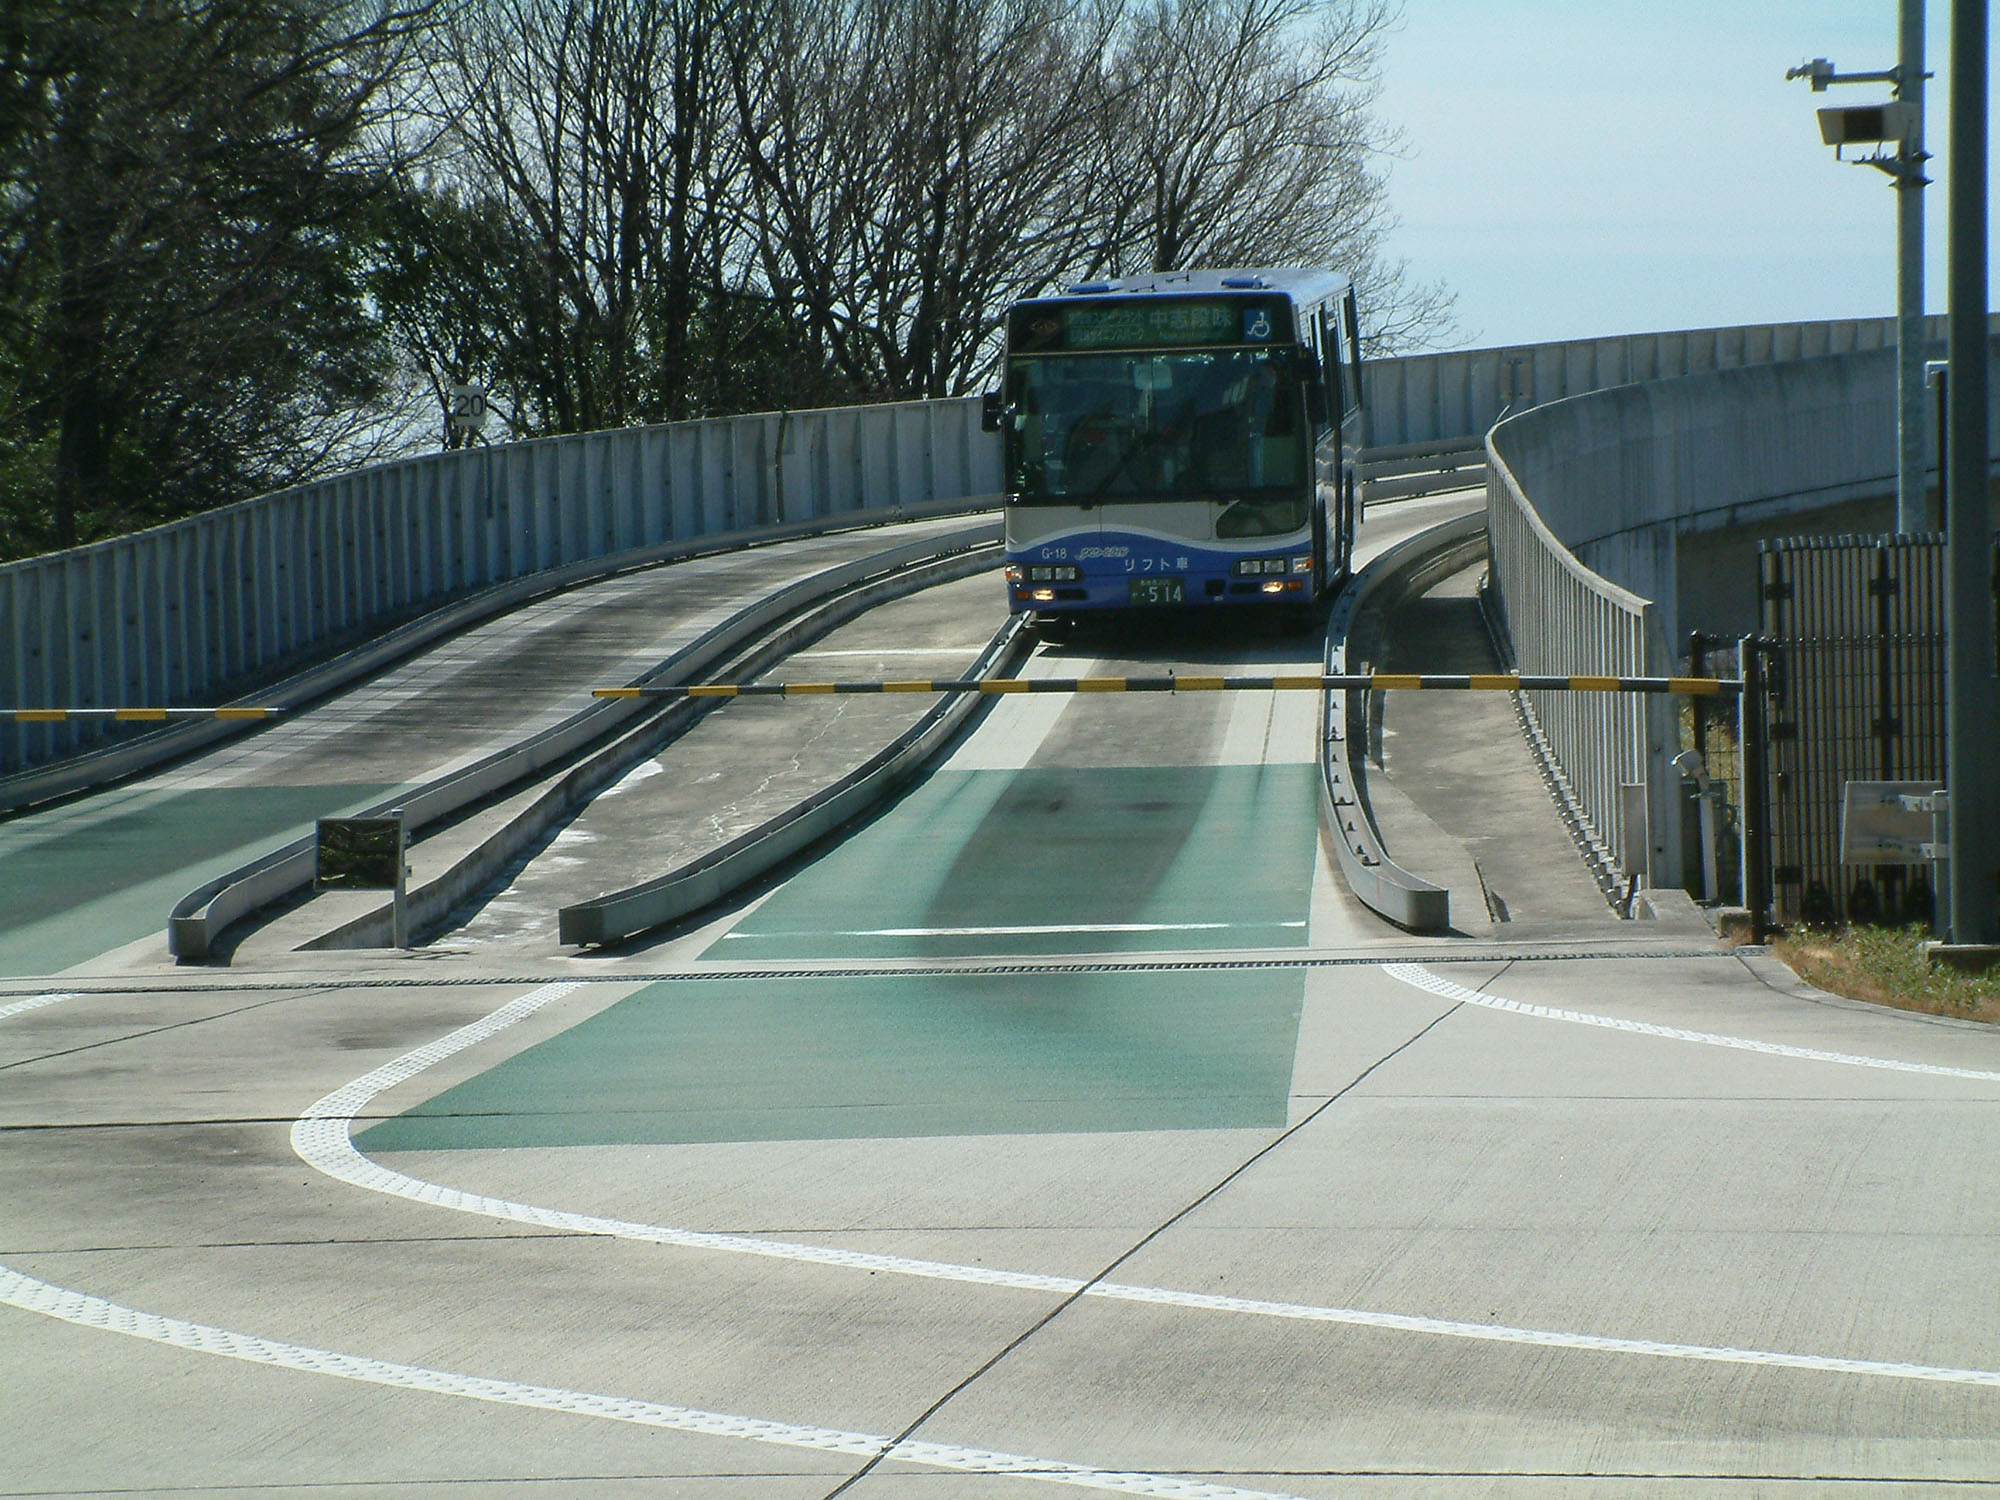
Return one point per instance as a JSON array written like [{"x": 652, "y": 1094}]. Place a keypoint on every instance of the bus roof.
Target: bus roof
[{"x": 1301, "y": 285}]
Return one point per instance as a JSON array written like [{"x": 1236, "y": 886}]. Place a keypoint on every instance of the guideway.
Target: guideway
[
  {"x": 95, "y": 877},
  {"x": 1069, "y": 1129},
  {"x": 1454, "y": 787}
]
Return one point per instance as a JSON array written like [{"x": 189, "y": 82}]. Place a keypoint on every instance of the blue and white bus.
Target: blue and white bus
[{"x": 1182, "y": 441}]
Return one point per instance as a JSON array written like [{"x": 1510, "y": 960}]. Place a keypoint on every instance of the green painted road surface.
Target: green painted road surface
[
  {"x": 81, "y": 880},
  {"x": 1045, "y": 860},
  {"x": 846, "y": 1058},
  {"x": 1057, "y": 860}
]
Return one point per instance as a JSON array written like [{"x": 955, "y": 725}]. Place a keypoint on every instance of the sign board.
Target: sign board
[
  {"x": 1167, "y": 322},
  {"x": 359, "y": 854},
  {"x": 1888, "y": 823},
  {"x": 467, "y": 406}
]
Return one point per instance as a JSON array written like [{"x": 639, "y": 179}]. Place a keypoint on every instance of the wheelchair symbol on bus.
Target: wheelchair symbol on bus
[{"x": 1256, "y": 323}]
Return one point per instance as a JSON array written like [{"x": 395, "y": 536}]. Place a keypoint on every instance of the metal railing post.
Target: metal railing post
[{"x": 1755, "y": 790}]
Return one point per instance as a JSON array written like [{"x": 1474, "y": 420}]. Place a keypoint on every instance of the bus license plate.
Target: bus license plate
[{"x": 1159, "y": 591}]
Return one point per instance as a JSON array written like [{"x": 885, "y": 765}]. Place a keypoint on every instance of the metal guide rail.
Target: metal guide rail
[
  {"x": 132, "y": 715},
  {"x": 1503, "y": 682}
]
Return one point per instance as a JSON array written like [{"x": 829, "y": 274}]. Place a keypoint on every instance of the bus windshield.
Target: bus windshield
[{"x": 1205, "y": 424}]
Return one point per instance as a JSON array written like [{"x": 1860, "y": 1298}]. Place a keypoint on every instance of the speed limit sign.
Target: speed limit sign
[{"x": 467, "y": 406}]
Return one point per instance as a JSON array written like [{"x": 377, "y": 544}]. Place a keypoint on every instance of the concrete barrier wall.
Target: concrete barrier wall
[
  {"x": 1620, "y": 476},
  {"x": 1436, "y": 397},
  {"x": 176, "y": 615}
]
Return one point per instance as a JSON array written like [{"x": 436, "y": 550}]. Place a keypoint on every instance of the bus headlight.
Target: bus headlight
[
  {"x": 1302, "y": 565},
  {"x": 1252, "y": 567}
]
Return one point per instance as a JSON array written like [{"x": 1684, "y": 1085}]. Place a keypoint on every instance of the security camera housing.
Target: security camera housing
[{"x": 1864, "y": 124}]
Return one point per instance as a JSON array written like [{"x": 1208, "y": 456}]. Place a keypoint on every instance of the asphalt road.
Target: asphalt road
[{"x": 1068, "y": 1128}]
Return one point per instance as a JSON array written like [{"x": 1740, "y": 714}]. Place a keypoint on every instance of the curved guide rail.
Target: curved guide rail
[
  {"x": 1382, "y": 885},
  {"x": 200, "y": 917}
]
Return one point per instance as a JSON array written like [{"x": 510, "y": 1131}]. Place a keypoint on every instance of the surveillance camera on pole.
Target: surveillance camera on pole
[
  {"x": 1866, "y": 124},
  {"x": 1896, "y": 130}
]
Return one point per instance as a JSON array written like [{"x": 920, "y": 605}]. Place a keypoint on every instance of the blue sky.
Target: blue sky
[{"x": 1585, "y": 167}]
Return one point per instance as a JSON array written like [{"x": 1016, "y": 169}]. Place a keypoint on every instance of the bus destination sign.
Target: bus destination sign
[{"x": 1166, "y": 323}]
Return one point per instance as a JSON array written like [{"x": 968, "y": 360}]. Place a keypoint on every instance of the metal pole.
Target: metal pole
[
  {"x": 1752, "y": 797},
  {"x": 399, "y": 908},
  {"x": 1909, "y": 183},
  {"x": 1972, "y": 716},
  {"x": 1937, "y": 374}
]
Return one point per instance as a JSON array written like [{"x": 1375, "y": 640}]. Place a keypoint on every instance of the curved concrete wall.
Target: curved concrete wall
[
  {"x": 1588, "y": 501},
  {"x": 1619, "y": 476},
  {"x": 1436, "y": 397}
]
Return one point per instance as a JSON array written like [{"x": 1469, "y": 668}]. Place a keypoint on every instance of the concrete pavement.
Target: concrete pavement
[{"x": 1593, "y": 1211}]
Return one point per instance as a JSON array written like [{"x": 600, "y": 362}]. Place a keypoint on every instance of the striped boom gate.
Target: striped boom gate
[
  {"x": 132, "y": 715},
  {"x": 1377, "y": 682}
]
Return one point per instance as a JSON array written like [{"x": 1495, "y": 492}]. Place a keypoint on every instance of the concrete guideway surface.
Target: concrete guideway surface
[
  {"x": 98, "y": 874},
  {"x": 737, "y": 768},
  {"x": 1517, "y": 1226}
]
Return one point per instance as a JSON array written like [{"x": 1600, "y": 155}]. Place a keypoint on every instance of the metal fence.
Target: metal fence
[
  {"x": 1610, "y": 478},
  {"x": 183, "y": 613},
  {"x": 1713, "y": 729},
  {"x": 1561, "y": 618},
  {"x": 1852, "y": 671}
]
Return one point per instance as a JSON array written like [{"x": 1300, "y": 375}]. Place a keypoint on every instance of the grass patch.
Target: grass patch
[{"x": 1886, "y": 965}]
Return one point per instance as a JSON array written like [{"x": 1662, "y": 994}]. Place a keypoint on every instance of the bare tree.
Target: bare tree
[
  {"x": 695, "y": 205},
  {"x": 912, "y": 164},
  {"x": 1243, "y": 134},
  {"x": 582, "y": 134}
]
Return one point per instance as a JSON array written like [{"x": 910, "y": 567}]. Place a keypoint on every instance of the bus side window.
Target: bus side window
[{"x": 1331, "y": 368}]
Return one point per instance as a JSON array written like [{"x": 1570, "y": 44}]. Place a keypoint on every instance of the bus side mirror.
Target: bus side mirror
[
  {"x": 992, "y": 411},
  {"x": 1316, "y": 402}
]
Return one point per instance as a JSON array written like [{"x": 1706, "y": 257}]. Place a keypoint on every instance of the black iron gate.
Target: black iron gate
[{"x": 1846, "y": 684}]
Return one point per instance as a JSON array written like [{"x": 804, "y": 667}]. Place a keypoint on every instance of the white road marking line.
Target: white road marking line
[
  {"x": 321, "y": 1139},
  {"x": 1015, "y": 931},
  {"x": 33, "y": 1002},
  {"x": 1422, "y": 978},
  {"x": 31, "y": 1295}
]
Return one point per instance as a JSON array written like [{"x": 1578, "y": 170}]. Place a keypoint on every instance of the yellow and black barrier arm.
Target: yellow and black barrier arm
[
  {"x": 1505, "y": 682},
  {"x": 130, "y": 715}
]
